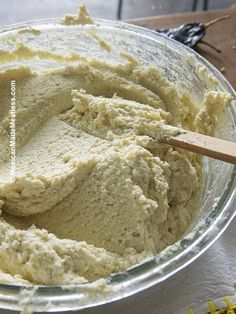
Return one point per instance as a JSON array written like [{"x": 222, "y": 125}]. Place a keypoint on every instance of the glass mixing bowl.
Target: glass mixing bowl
[{"x": 217, "y": 209}]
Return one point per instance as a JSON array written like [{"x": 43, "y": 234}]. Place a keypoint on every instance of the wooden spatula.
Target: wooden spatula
[{"x": 204, "y": 145}]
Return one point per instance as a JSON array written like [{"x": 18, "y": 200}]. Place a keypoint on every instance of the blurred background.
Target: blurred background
[{"x": 13, "y": 11}]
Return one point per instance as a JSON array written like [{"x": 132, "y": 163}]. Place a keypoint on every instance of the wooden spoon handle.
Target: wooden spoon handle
[{"x": 205, "y": 145}]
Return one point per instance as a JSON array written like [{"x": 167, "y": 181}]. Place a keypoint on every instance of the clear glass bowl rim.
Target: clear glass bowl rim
[{"x": 154, "y": 271}]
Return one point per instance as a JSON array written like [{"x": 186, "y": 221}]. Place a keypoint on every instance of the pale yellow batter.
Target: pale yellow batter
[{"x": 94, "y": 192}]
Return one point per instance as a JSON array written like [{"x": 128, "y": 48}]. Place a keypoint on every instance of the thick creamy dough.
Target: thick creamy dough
[{"x": 95, "y": 192}]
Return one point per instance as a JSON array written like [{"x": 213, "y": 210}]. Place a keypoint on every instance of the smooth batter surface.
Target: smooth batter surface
[{"x": 94, "y": 192}]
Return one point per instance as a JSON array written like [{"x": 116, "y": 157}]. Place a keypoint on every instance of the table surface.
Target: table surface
[
  {"x": 213, "y": 274},
  {"x": 221, "y": 35}
]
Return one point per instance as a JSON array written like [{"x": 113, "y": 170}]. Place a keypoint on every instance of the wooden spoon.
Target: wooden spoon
[{"x": 204, "y": 145}]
